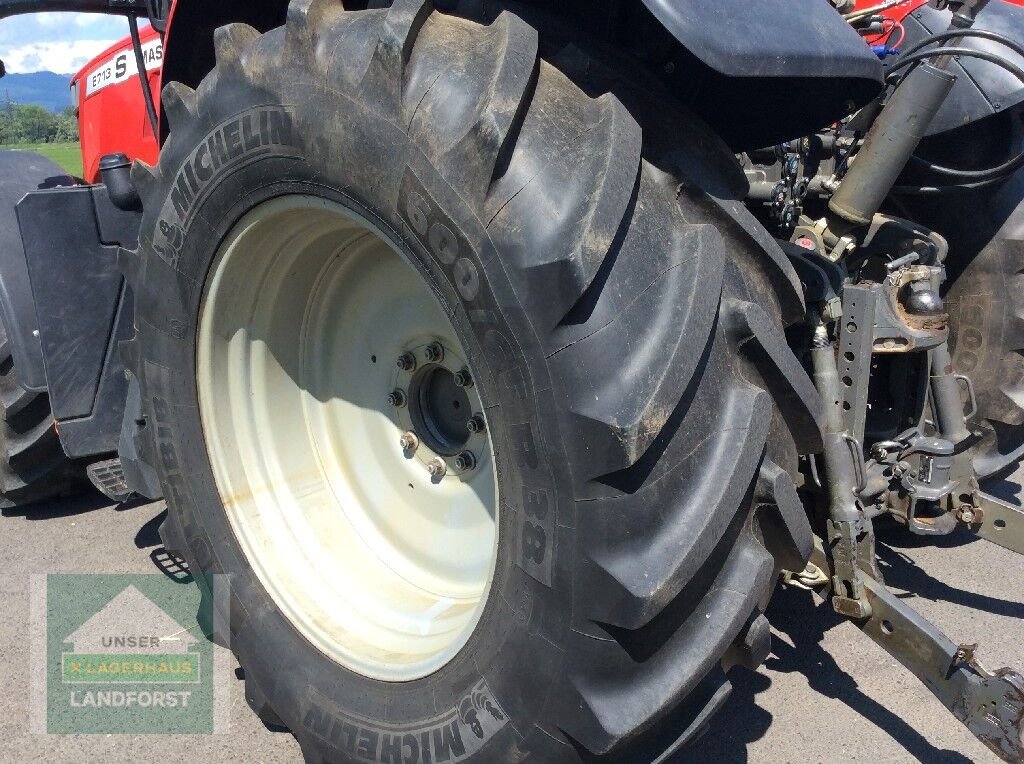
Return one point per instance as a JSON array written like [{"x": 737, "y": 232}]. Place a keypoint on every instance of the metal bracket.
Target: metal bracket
[
  {"x": 999, "y": 522},
  {"x": 856, "y": 332},
  {"x": 989, "y": 704}
]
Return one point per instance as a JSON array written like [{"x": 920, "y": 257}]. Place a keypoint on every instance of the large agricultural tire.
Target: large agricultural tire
[
  {"x": 623, "y": 329},
  {"x": 33, "y": 466},
  {"x": 985, "y": 279},
  {"x": 986, "y": 302}
]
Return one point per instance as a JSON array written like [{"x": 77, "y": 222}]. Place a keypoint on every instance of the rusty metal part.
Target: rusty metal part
[
  {"x": 999, "y": 522},
  {"x": 989, "y": 704}
]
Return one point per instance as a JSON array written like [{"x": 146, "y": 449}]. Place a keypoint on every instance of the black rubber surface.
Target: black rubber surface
[
  {"x": 623, "y": 316},
  {"x": 33, "y": 466}
]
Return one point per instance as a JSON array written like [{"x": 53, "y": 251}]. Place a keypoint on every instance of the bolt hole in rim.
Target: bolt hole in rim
[{"x": 381, "y": 566}]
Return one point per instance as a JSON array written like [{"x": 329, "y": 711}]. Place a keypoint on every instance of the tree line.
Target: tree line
[{"x": 23, "y": 123}]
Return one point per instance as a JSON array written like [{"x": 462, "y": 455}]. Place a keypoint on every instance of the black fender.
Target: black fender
[
  {"x": 758, "y": 73},
  {"x": 775, "y": 69},
  {"x": 770, "y": 38},
  {"x": 70, "y": 240},
  {"x": 982, "y": 89}
]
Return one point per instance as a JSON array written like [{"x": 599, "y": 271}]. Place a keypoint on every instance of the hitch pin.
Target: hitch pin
[{"x": 895, "y": 265}]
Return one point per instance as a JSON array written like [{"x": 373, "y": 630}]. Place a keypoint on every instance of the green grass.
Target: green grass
[{"x": 67, "y": 155}]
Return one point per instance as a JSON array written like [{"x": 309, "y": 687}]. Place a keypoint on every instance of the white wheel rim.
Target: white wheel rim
[{"x": 305, "y": 314}]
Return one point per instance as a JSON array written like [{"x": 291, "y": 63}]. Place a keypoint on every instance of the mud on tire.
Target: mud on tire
[{"x": 625, "y": 327}]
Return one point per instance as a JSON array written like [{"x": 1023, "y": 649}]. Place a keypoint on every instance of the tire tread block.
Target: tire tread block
[
  {"x": 618, "y": 696},
  {"x": 383, "y": 81},
  {"x": 557, "y": 245},
  {"x": 791, "y": 539},
  {"x": 645, "y": 559},
  {"x": 493, "y": 72},
  {"x": 766, "y": 348},
  {"x": 625, "y": 380}
]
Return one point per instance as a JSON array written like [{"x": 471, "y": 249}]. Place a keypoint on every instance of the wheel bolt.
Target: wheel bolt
[
  {"x": 407, "y": 362},
  {"x": 434, "y": 352},
  {"x": 476, "y": 425},
  {"x": 409, "y": 442},
  {"x": 465, "y": 461},
  {"x": 397, "y": 398},
  {"x": 437, "y": 468},
  {"x": 463, "y": 378}
]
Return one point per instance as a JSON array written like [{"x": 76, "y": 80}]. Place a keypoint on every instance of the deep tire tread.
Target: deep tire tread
[{"x": 673, "y": 371}]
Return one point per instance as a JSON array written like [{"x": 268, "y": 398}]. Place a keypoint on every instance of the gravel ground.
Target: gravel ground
[{"x": 826, "y": 693}]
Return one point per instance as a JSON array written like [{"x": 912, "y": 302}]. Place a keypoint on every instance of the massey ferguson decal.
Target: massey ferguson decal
[
  {"x": 122, "y": 66},
  {"x": 450, "y": 737}
]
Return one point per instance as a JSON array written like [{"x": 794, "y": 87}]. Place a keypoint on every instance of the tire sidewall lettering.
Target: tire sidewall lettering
[{"x": 184, "y": 465}]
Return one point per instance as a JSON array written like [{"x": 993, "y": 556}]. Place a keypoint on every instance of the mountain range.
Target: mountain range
[{"x": 45, "y": 89}]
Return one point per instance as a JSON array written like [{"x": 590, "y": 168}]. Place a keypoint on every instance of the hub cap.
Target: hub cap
[{"x": 353, "y": 483}]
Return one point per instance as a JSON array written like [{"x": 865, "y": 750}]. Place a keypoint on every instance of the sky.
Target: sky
[{"x": 57, "y": 42}]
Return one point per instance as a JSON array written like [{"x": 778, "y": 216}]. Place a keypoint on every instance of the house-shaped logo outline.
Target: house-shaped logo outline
[{"x": 131, "y": 613}]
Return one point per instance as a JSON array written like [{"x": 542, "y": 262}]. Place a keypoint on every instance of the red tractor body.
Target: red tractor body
[{"x": 111, "y": 112}]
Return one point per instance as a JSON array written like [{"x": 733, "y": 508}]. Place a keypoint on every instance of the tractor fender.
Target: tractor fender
[
  {"x": 773, "y": 69},
  {"x": 770, "y": 38}
]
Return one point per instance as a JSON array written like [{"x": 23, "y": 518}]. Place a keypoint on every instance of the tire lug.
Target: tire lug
[
  {"x": 409, "y": 443},
  {"x": 407, "y": 362},
  {"x": 476, "y": 425},
  {"x": 463, "y": 378},
  {"x": 465, "y": 461},
  {"x": 397, "y": 398},
  {"x": 437, "y": 468},
  {"x": 434, "y": 352}
]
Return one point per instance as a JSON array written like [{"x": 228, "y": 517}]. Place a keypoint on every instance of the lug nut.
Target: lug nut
[
  {"x": 476, "y": 425},
  {"x": 397, "y": 398},
  {"x": 409, "y": 442},
  {"x": 437, "y": 467},
  {"x": 465, "y": 461},
  {"x": 463, "y": 378},
  {"x": 434, "y": 352},
  {"x": 407, "y": 362}
]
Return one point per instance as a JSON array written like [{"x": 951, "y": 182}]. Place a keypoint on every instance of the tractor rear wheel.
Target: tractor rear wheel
[{"x": 484, "y": 406}]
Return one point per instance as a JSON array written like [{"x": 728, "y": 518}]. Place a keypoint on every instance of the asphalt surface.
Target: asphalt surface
[{"x": 826, "y": 693}]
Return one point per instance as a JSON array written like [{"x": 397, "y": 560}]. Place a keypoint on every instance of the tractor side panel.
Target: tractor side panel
[
  {"x": 71, "y": 239},
  {"x": 22, "y": 172}
]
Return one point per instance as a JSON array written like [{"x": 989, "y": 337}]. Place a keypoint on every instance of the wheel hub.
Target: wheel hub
[{"x": 360, "y": 496}]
